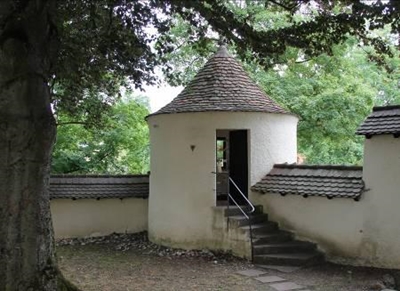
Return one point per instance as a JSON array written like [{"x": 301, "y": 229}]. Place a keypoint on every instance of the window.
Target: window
[{"x": 221, "y": 154}]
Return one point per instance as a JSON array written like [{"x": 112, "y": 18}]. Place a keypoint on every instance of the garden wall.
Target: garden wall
[
  {"x": 365, "y": 232},
  {"x": 96, "y": 205},
  {"x": 91, "y": 217},
  {"x": 336, "y": 225}
]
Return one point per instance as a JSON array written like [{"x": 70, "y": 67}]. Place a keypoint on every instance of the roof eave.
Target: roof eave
[{"x": 232, "y": 111}]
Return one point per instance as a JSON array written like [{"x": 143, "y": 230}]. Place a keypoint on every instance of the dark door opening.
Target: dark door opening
[
  {"x": 231, "y": 161},
  {"x": 238, "y": 170}
]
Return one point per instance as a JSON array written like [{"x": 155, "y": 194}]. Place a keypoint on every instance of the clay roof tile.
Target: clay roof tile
[
  {"x": 222, "y": 85},
  {"x": 382, "y": 120},
  {"x": 306, "y": 180}
]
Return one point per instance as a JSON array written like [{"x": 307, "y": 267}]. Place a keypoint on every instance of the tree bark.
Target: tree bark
[{"x": 27, "y": 132}]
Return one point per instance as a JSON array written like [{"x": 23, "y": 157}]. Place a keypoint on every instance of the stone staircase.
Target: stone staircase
[{"x": 271, "y": 245}]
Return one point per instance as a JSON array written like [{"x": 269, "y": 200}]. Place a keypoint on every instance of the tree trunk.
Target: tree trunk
[{"x": 27, "y": 131}]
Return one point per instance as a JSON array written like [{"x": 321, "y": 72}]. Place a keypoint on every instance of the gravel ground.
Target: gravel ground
[{"x": 130, "y": 262}]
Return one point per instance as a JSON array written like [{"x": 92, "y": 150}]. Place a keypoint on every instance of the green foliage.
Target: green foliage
[
  {"x": 99, "y": 46},
  {"x": 119, "y": 146},
  {"x": 312, "y": 26},
  {"x": 189, "y": 54},
  {"x": 332, "y": 94},
  {"x": 86, "y": 50}
]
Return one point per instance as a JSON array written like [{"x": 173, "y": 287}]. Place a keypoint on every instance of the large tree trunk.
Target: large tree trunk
[{"x": 27, "y": 131}]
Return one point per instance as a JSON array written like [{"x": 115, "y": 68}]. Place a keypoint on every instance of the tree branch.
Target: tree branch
[
  {"x": 286, "y": 62},
  {"x": 290, "y": 9}
]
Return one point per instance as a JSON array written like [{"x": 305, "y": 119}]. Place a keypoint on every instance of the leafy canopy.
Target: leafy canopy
[
  {"x": 105, "y": 44},
  {"x": 119, "y": 146},
  {"x": 331, "y": 92}
]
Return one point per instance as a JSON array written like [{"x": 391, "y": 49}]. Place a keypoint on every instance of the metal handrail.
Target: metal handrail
[
  {"x": 252, "y": 209},
  {"x": 245, "y": 198},
  {"x": 240, "y": 208},
  {"x": 241, "y": 193}
]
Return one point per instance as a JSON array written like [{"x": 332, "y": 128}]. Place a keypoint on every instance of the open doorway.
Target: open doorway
[{"x": 231, "y": 162}]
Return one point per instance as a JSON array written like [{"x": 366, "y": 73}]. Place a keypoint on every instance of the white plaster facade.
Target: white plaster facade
[
  {"x": 335, "y": 225},
  {"x": 183, "y": 159},
  {"x": 358, "y": 233},
  {"x": 181, "y": 208},
  {"x": 382, "y": 201},
  {"x": 91, "y": 217}
]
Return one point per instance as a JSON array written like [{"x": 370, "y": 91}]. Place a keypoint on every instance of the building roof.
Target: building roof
[
  {"x": 382, "y": 120},
  {"x": 305, "y": 180},
  {"x": 99, "y": 186},
  {"x": 222, "y": 85}
]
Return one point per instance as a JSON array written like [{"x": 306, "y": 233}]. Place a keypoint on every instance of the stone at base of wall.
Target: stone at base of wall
[{"x": 234, "y": 240}]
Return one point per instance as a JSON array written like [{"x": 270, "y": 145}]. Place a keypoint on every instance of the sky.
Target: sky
[{"x": 160, "y": 96}]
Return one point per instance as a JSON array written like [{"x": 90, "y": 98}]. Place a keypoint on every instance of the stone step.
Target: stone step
[
  {"x": 289, "y": 259},
  {"x": 272, "y": 246},
  {"x": 285, "y": 247},
  {"x": 234, "y": 210},
  {"x": 273, "y": 237},
  {"x": 262, "y": 228},
  {"x": 240, "y": 220}
]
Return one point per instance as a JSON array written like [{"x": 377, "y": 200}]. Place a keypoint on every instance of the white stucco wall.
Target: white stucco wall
[
  {"x": 359, "y": 233},
  {"x": 382, "y": 210},
  {"x": 91, "y": 217},
  {"x": 182, "y": 185},
  {"x": 336, "y": 225}
]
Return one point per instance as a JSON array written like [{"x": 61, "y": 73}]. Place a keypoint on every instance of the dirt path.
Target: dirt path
[
  {"x": 101, "y": 268},
  {"x": 111, "y": 266}
]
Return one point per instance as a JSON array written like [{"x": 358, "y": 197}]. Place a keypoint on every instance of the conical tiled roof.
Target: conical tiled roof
[{"x": 222, "y": 85}]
